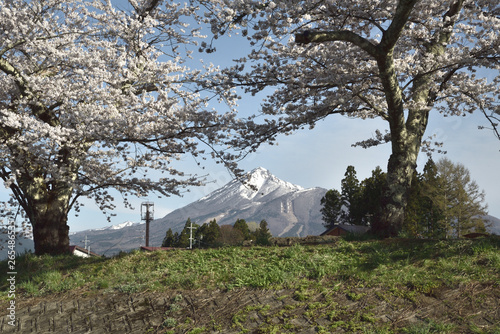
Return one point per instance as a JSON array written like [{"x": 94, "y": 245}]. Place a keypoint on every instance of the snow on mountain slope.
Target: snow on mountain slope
[
  {"x": 261, "y": 184},
  {"x": 289, "y": 209},
  {"x": 118, "y": 226}
]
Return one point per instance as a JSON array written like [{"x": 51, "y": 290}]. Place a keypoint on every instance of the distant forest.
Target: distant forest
[{"x": 212, "y": 235}]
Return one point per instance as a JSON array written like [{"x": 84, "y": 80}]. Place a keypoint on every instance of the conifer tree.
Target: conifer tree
[
  {"x": 183, "y": 240},
  {"x": 371, "y": 194},
  {"x": 242, "y": 226},
  {"x": 350, "y": 196},
  {"x": 462, "y": 199},
  {"x": 262, "y": 235},
  {"x": 169, "y": 240},
  {"x": 413, "y": 212},
  {"x": 210, "y": 233},
  {"x": 432, "y": 214},
  {"x": 444, "y": 201},
  {"x": 331, "y": 208}
]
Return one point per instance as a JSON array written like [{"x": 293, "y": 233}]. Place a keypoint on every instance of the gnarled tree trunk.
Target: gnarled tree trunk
[
  {"x": 400, "y": 169},
  {"x": 47, "y": 203}
]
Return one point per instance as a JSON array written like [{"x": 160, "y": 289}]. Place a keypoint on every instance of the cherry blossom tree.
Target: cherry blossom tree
[
  {"x": 93, "y": 97},
  {"x": 395, "y": 60}
]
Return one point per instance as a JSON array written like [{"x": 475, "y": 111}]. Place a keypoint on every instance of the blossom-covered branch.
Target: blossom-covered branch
[{"x": 93, "y": 97}]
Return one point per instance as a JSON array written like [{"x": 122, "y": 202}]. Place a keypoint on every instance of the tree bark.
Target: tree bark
[
  {"x": 47, "y": 204},
  {"x": 400, "y": 170},
  {"x": 49, "y": 218},
  {"x": 51, "y": 235}
]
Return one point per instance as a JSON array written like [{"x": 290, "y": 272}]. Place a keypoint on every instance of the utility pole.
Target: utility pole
[
  {"x": 147, "y": 214},
  {"x": 191, "y": 235},
  {"x": 86, "y": 242}
]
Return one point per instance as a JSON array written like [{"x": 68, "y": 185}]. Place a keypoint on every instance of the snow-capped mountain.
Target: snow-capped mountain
[
  {"x": 261, "y": 184},
  {"x": 290, "y": 210},
  {"x": 118, "y": 226}
]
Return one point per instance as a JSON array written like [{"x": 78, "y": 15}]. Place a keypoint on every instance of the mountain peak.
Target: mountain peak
[
  {"x": 264, "y": 183},
  {"x": 258, "y": 176},
  {"x": 260, "y": 170},
  {"x": 256, "y": 185}
]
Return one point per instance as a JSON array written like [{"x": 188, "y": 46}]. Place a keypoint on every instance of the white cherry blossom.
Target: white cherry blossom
[{"x": 93, "y": 97}]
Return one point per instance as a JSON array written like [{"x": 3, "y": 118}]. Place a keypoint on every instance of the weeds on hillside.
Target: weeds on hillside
[
  {"x": 335, "y": 287},
  {"x": 418, "y": 264}
]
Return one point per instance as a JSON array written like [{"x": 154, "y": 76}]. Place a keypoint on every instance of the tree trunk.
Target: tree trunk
[
  {"x": 400, "y": 170},
  {"x": 49, "y": 220},
  {"x": 51, "y": 234},
  {"x": 47, "y": 204},
  {"x": 406, "y": 140}
]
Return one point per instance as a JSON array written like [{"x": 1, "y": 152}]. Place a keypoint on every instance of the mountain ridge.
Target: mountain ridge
[{"x": 272, "y": 199}]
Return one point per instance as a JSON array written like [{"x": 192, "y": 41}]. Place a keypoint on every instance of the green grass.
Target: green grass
[
  {"x": 418, "y": 265},
  {"x": 336, "y": 287}
]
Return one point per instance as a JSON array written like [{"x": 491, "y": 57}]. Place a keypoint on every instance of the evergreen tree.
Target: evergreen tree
[
  {"x": 263, "y": 235},
  {"x": 444, "y": 201},
  {"x": 371, "y": 194},
  {"x": 332, "y": 208},
  {"x": 430, "y": 215},
  {"x": 424, "y": 214},
  {"x": 183, "y": 240},
  {"x": 350, "y": 197},
  {"x": 169, "y": 240},
  {"x": 358, "y": 203},
  {"x": 209, "y": 233},
  {"x": 242, "y": 226},
  {"x": 413, "y": 213},
  {"x": 176, "y": 240}
]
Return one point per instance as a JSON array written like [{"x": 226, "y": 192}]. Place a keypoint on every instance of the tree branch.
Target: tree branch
[
  {"x": 392, "y": 34},
  {"x": 308, "y": 37}
]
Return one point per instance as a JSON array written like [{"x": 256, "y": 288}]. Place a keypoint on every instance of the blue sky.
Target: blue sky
[{"x": 319, "y": 157}]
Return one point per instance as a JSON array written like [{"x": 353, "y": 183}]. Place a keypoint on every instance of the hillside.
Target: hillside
[{"x": 390, "y": 286}]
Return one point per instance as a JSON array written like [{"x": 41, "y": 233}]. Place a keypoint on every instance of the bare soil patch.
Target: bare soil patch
[{"x": 327, "y": 310}]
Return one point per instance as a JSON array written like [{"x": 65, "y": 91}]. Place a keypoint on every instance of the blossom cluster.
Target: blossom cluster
[{"x": 343, "y": 57}]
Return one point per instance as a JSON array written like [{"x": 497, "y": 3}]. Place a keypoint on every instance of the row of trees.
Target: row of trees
[
  {"x": 212, "y": 235},
  {"x": 444, "y": 201}
]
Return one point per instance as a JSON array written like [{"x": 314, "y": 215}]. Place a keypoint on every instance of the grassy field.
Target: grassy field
[{"x": 374, "y": 271}]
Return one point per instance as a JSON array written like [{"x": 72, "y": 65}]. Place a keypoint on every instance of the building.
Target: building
[
  {"x": 82, "y": 252},
  {"x": 154, "y": 249},
  {"x": 343, "y": 229}
]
